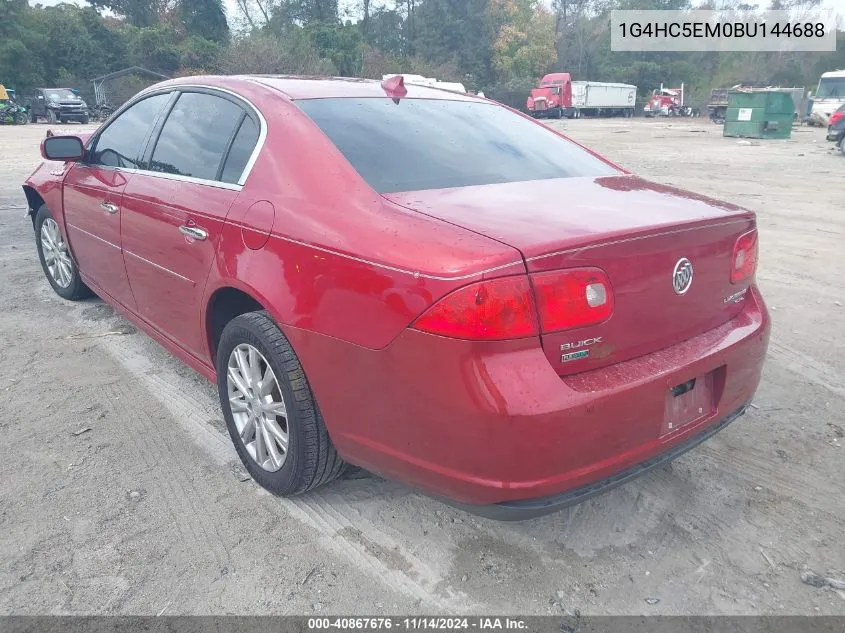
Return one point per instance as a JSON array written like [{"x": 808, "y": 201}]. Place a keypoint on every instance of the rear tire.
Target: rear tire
[
  {"x": 280, "y": 403},
  {"x": 57, "y": 261},
  {"x": 842, "y": 145}
]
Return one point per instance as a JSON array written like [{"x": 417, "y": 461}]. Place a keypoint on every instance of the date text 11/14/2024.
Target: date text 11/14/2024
[{"x": 418, "y": 623}]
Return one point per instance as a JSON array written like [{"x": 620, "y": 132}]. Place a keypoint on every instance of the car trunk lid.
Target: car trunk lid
[{"x": 634, "y": 230}]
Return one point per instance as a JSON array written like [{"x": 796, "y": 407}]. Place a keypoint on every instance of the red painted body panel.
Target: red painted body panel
[
  {"x": 46, "y": 180},
  {"x": 492, "y": 422},
  {"x": 345, "y": 272},
  {"x": 166, "y": 269},
  {"x": 93, "y": 233}
]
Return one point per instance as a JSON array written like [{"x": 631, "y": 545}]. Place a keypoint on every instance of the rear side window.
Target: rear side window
[
  {"x": 242, "y": 146},
  {"x": 435, "y": 144},
  {"x": 196, "y": 135},
  {"x": 121, "y": 143}
]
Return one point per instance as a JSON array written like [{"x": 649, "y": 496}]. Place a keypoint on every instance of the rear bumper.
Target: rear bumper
[
  {"x": 532, "y": 508},
  {"x": 493, "y": 424}
]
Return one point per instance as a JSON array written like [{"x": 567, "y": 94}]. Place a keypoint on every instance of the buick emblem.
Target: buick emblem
[{"x": 682, "y": 276}]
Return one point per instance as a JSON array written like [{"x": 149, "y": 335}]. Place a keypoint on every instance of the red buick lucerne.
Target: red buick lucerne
[{"x": 424, "y": 284}]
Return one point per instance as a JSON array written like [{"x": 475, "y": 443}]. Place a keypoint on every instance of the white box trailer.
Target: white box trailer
[
  {"x": 419, "y": 80},
  {"x": 594, "y": 98}
]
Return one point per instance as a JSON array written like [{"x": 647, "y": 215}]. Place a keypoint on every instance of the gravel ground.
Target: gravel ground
[{"x": 148, "y": 512}]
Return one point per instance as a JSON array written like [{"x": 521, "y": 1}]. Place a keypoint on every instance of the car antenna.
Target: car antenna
[{"x": 395, "y": 87}]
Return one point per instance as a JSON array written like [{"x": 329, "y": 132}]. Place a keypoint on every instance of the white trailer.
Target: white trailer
[
  {"x": 419, "y": 80},
  {"x": 594, "y": 98}
]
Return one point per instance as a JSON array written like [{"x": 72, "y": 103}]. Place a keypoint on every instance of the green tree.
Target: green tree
[
  {"x": 141, "y": 13},
  {"x": 340, "y": 43},
  {"x": 200, "y": 56},
  {"x": 385, "y": 31},
  {"x": 204, "y": 18},
  {"x": 264, "y": 52},
  {"x": 155, "y": 48},
  {"x": 456, "y": 31}
]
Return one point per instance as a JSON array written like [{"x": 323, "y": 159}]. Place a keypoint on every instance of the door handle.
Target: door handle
[
  {"x": 194, "y": 232},
  {"x": 109, "y": 208}
]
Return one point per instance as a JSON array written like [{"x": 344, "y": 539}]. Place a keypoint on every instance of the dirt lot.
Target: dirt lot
[{"x": 147, "y": 512}]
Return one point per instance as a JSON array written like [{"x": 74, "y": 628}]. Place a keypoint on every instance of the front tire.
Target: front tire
[
  {"x": 85, "y": 120},
  {"x": 51, "y": 117},
  {"x": 271, "y": 414},
  {"x": 56, "y": 259},
  {"x": 842, "y": 145}
]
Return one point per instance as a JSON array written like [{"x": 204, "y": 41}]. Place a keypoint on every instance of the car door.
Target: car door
[
  {"x": 173, "y": 211},
  {"x": 93, "y": 196}
]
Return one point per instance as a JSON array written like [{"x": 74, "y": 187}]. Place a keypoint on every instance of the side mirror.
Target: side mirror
[{"x": 68, "y": 148}]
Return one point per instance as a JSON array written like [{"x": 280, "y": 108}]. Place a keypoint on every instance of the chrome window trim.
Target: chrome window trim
[
  {"x": 256, "y": 152},
  {"x": 158, "y": 174}
]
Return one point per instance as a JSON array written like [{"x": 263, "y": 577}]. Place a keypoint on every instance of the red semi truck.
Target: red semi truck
[
  {"x": 559, "y": 96},
  {"x": 552, "y": 97}
]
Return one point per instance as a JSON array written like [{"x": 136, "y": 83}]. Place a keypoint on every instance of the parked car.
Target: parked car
[
  {"x": 836, "y": 128},
  {"x": 511, "y": 322},
  {"x": 57, "y": 105}
]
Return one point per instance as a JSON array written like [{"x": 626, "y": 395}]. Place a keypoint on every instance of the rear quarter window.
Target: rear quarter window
[{"x": 419, "y": 144}]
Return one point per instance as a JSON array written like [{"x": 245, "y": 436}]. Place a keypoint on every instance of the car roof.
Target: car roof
[{"x": 304, "y": 87}]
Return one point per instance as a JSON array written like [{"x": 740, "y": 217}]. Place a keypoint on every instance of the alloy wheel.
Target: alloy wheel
[
  {"x": 56, "y": 255},
  {"x": 258, "y": 407}
]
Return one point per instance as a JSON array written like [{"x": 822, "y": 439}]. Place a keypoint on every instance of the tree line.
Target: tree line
[{"x": 499, "y": 46}]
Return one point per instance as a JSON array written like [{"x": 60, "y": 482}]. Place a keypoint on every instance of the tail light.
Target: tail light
[
  {"x": 572, "y": 298},
  {"x": 505, "y": 308},
  {"x": 834, "y": 118},
  {"x": 744, "y": 261},
  {"x": 484, "y": 311}
]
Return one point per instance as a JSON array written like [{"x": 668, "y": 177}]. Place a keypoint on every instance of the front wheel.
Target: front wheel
[
  {"x": 51, "y": 117},
  {"x": 270, "y": 412},
  {"x": 85, "y": 120},
  {"x": 56, "y": 259}
]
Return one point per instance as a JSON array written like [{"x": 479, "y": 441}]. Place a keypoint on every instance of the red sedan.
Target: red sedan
[{"x": 424, "y": 284}]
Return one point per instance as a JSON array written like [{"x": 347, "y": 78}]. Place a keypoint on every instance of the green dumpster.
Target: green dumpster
[{"x": 759, "y": 114}]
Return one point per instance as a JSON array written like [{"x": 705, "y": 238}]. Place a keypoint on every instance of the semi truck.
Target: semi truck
[
  {"x": 829, "y": 96},
  {"x": 558, "y": 96},
  {"x": 668, "y": 102}
]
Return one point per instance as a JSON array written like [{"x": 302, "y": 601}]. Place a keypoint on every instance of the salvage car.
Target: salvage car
[
  {"x": 57, "y": 105},
  {"x": 424, "y": 284}
]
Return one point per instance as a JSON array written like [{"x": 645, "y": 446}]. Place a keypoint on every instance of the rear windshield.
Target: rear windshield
[{"x": 436, "y": 144}]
